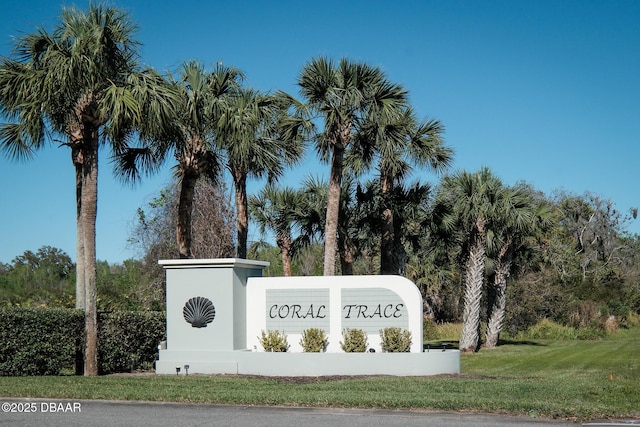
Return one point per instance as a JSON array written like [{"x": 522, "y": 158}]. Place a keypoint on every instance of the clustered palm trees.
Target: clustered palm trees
[
  {"x": 489, "y": 221},
  {"x": 82, "y": 85}
]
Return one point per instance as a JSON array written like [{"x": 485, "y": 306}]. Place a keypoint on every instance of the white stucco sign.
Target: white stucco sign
[
  {"x": 370, "y": 303},
  {"x": 217, "y": 309}
]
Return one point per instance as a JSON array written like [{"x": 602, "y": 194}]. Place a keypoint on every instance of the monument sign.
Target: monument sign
[
  {"x": 218, "y": 308},
  {"x": 333, "y": 303}
]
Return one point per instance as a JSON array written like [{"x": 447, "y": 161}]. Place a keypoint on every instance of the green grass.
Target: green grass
[{"x": 559, "y": 379}]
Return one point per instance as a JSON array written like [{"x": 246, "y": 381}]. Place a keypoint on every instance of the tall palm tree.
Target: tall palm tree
[
  {"x": 519, "y": 218},
  {"x": 280, "y": 210},
  {"x": 251, "y": 132},
  {"x": 344, "y": 95},
  {"x": 70, "y": 85},
  {"x": 188, "y": 131},
  {"x": 401, "y": 144},
  {"x": 465, "y": 206}
]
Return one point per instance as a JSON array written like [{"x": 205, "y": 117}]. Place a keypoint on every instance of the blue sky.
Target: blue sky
[{"x": 546, "y": 92}]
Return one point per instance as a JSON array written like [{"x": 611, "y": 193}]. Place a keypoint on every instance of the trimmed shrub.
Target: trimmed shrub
[
  {"x": 395, "y": 340},
  {"x": 128, "y": 340},
  {"x": 38, "y": 341},
  {"x": 274, "y": 341},
  {"x": 314, "y": 340},
  {"x": 354, "y": 341}
]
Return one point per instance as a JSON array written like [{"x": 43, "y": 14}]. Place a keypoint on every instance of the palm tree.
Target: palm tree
[
  {"x": 344, "y": 95},
  {"x": 519, "y": 218},
  {"x": 187, "y": 130},
  {"x": 252, "y": 132},
  {"x": 408, "y": 204},
  {"x": 71, "y": 84},
  {"x": 280, "y": 210},
  {"x": 401, "y": 144},
  {"x": 350, "y": 219},
  {"x": 465, "y": 207}
]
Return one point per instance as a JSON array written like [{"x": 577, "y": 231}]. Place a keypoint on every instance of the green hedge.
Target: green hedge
[
  {"x": 36, "y": 341},
  {"x": 46, "y": 341},
  {"x": 128, "y": 340}
]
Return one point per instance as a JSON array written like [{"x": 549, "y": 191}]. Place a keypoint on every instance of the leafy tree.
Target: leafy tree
[
  {"x": 592, "y": 257},
  {"x": 596, "y": 228},
  {"x": 43, "y": 278},
  {"x": 344, "y": 95},
  {"x": 128, "y": 286},
  {"x": 73, "y": 83}
]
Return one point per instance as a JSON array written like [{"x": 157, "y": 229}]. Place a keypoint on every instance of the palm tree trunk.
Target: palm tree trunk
[
  {"x": 80, "y": 288},
  {"x": 498, "y": 297},
  {"x": 185, "y": 211},
  {"x": 240, "y": 182},
  {"x": 333, "y": 211},
  {"x": 285, "y": 246},
  {"x": 474, "y": 275},
  {"x": 346, "y": 251},
  {"x": 387, "y": 239},
  {"x": 89, "y": 213}
]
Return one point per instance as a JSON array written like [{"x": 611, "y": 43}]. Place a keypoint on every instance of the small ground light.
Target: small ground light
[
  {"x": 177, "y": 370},
  {"x": 186, "y": 369}
]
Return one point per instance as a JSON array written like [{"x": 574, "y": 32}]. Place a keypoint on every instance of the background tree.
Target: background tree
[
  {"x": 153, "y": 233},
  {"x": 590, "y": 256},
  {"x": 71, "y": 83},
  {"x": 280, "y": 210},
  {"x": 343, "y": 94},
  {"x": 43, "y": 278},
  {"x": 402, "y": 143}
]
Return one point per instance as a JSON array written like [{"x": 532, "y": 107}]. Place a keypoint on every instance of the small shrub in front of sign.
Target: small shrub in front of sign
[
  {"x": 274, "y": 341},
  {"x": 395, "y": 340},
  {"x": 314, "y": 340},
  {"x": 355, "y": 341}
]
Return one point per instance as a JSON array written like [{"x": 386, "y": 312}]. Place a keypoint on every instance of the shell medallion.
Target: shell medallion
[{"x": 199, "y": 312}]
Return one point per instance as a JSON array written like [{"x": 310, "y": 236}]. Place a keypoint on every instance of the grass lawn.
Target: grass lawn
[{"x": 560, "y": 379}]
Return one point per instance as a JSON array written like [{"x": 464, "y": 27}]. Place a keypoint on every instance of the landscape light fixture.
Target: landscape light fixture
[{"x": 177, "y": 370}]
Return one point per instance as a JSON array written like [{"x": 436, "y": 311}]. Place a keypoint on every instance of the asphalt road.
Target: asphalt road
[{"x": 91, "y": 413}]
